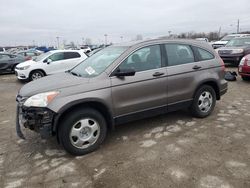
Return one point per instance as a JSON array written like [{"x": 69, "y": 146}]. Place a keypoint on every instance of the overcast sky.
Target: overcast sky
[{"x": 27, "y": 21}]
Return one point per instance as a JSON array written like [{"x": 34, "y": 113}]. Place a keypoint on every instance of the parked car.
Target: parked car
[
  {"x": 49, "y": 63},
  {"x": 202, "y": 39},
  {"x": 225, "y": 40},
  {"x": 235, "y": 49},
  {"x": 29, "y": 54},
  {"x": 2, "y": 49},
  {"x": 43, "y": 49},
  {"x": 121, "y": 83},
  {"x": 244, "y": 68},
  {"x": 8, "y": 62},
  {"x": 85, "y": 48},
  {"x": 94, "y": 51}
]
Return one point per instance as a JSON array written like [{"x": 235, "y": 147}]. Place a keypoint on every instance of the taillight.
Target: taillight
[{"x": 222, "y": 64}]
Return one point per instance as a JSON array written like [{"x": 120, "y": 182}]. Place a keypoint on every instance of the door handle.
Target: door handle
[
  {"x": 196, "y": 67},
  {"x": 156, "y": 74}
]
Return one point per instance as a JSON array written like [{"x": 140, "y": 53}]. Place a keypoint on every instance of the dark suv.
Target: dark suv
[
  {"x": 119, "y": 84},
  {"x": 235, "y": 49}
]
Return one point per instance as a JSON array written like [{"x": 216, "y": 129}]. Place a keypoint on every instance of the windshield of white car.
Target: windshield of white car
[
  {"x": 239, "y": 42},
  {"x": 98, "y": 62},
  {"x": 42, "y": 56},
  {"x": 227, "y": 38}
]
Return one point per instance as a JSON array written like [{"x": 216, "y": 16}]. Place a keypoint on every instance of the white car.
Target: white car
[
  {"x": 202, "y": 39},
  {"x": 52, "y": 62}
]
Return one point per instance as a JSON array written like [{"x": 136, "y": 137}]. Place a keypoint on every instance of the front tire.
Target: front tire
[
  {"x": 204, "y": 102},
  {"x": 245, "y": 78},
  {"x": 82, "y": 131},
  {"x": 35, "y": 75}
]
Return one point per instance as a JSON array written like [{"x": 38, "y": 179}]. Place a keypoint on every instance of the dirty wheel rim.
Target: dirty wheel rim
[
  {"x": 84, "y": 133},
  {"x": 36, "y": 76},
  {"x": 205, "y": 101}
]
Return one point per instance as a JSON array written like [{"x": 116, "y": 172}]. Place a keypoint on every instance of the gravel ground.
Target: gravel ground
[{"x": 174, "y": 150}]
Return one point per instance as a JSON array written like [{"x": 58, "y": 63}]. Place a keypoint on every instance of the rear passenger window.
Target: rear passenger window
[
  {"x": 204, "y": 55},
  {"x": 71, "y": 55},
  {"x": 179, "y": 54}
]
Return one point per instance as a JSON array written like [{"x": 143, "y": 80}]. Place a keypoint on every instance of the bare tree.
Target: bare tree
[
  {"x": 88, "y": 41},
  {"x": 139, "y": 37}
]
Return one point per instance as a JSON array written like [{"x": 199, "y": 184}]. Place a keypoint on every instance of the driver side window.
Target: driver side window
[
  {"x": 143, "y": 59},
  {"x": 56, "y": 57}
]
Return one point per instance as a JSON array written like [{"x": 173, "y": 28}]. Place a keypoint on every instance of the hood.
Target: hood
[
  {"x": 221, "y": 42},
  {"x": 231, "y": 47},
  {"x": 51, "y": 83},
  {"x": 29, "y": 62}
]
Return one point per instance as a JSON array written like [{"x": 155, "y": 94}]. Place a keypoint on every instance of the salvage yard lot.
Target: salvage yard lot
[{"x": 173, "y": 150}]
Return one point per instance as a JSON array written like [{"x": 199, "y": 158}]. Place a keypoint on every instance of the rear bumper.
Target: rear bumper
[
  {"x": 224, "y": 87},
  {"x": 222, "y": 92},
  {"x": 39, "y": 120}
]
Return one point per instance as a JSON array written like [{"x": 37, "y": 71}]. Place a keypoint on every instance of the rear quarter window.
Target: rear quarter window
[
  {"x": 203, "y": 55},
  {"x": 71, "y": 55}
]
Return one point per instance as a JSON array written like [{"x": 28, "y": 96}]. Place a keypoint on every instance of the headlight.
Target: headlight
[
  {"x": 237, "y": 51},
  {"x": 242, "y": 61},
  {"x": 41, "y": 99},
  {"x": 23, "y": 68}
]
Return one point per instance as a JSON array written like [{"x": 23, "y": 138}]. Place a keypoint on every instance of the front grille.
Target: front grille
[{"x": 222, "y": 52}]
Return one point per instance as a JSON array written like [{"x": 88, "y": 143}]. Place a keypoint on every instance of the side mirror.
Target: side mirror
[
  {"x": 124, "y": 72},
  {"x": 48, "y": 61}
]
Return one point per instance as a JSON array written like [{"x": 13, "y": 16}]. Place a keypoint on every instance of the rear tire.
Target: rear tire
[
  {"x": 204, "y": 102},
  {"x": 82, "y": 131},
  {"x": 35, "y": 75}
]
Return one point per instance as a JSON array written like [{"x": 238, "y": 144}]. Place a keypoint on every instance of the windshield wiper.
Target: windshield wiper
[{"x": 74, "y": 73}]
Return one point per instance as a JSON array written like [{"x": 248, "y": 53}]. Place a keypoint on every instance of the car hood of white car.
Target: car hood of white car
[
  {"x": 221, "y": 42},
  {"x": 26, "y": 63}
]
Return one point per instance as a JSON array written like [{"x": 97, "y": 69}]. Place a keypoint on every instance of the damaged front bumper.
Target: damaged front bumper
[{"x": 37, "y": 119}]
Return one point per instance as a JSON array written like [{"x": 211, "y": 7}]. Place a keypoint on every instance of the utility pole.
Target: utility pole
[
  {"x": 82, "y": 40},
  {"x": 219, "y": 32},
  {"x": 105, "y": 35},
  {"x": 57, "y": 39},
  {"x": 169, "y": 33},
  {"x": 238, "y": 26}
]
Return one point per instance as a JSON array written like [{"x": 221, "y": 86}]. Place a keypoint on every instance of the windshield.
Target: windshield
[
  {"x": 42, "y": 56},
  {"x": 227, "y": 38},
  {"x": 99, "y": 62},
  {"x": 239, "y": 42}
]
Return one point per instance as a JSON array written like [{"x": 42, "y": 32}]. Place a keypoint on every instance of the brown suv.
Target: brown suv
[{"x": 119, "y": 84}]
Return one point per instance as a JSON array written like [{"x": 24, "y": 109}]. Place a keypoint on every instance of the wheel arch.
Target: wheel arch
[
  {"x": 97, "y": 105},
  {"x": 37, "y": 70},
  {"x": 213, "y": 84}
]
